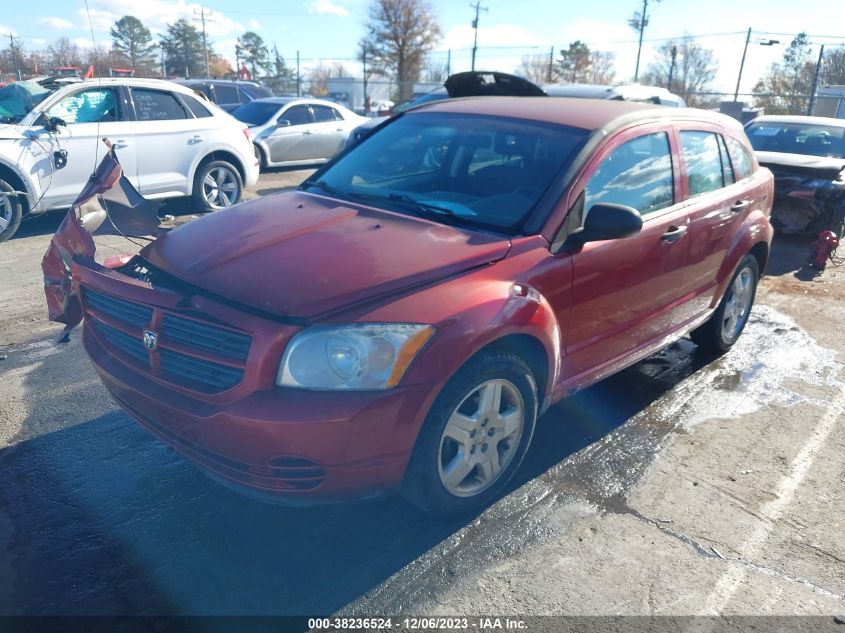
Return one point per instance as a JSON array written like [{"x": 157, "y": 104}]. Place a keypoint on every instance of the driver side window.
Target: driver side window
[
  {"x": 96, "y": 105},
  {"x": 638, "y": 174}
]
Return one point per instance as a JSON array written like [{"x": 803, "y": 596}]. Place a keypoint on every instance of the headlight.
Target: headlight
[{"x": 371, "y": 356}]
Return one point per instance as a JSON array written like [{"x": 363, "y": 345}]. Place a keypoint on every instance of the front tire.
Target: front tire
[
  {"x": 722, "y": 330},
  {"x": 475, "y": 435},
  {"x": 11, "y": 211},
  {"x": 217, "y": 185}
]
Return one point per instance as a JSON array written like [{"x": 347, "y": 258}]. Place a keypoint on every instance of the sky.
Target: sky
[{"x": 329, "y": 30}]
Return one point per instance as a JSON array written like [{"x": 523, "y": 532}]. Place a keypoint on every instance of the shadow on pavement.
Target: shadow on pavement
[{"x": 106, "y": 520}]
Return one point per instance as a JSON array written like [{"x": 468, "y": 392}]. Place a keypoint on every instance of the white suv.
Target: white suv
[{"x": 169, "y": 142}]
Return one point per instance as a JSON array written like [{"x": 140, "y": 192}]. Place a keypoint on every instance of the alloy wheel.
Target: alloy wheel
[
  {"x": 220, "y": 188},
  {"x": 481, "y": 437},
  {"x": 738, "y": 304}
]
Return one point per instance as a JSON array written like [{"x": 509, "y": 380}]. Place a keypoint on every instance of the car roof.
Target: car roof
[
  {"x": 801, "y": 120},
  {"x": 286, "y": 100},
  {"x": 134, "y": 82},
  {"x": 588, "y": 114}
]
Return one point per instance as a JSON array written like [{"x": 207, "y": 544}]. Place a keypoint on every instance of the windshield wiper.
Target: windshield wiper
[
  {"x": 422, "y": 206},
  {"x": 331, "y": 189}
]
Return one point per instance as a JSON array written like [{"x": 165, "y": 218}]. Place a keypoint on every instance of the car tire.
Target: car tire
[
  {"x": 217, "y": 185},
  {"x": 262, "y": 158},
  {"x": 11, "y": 211},
  {"x": 466, "y": 451},
  {"x": 721, "y": 331}
]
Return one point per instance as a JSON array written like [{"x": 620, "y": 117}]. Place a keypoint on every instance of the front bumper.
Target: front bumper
[{"x": 275, "y": 441}]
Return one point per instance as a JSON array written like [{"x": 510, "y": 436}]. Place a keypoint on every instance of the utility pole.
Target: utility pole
[
  {"x": 14, "y": 56},
  {"x": 643, "y": 24},
  {"x": 449, "y": 62},
  {"x": 742, "y": 63},
  {"x": 816, "y": 82},
  {"x": 551, "y": 63},
  {"x": 477, "y": 6},
  {"x": 674, "y": 52},
  {"x": 204, "y": 17},
  {"x": 364, "y": 62},
  {"x": 298, "y": 78}
]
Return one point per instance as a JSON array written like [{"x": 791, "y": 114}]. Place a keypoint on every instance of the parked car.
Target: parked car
[
  {"x": 294, "y": 131},
  {"x": 431, "y": 292},
  {"x": 807, "y": 157},
  {"x": 169, "y": 143},
  {"x": 229, "y": 95},
  {"x": 629, "y": 92},
  {"x": 476, "y": 83}
]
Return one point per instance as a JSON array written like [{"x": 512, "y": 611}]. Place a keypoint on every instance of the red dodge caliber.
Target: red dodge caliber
[{"x": 402, "y": 319}]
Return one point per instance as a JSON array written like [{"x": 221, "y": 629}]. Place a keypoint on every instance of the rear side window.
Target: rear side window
[
  {"x": 741, "y": 158},
  {"x": 325, "y": 113},
  {"x": 637, "y": 174},
  {"x": 226, "y": 94},
  {"x": 156, "y": 105},
  {"x": 196, "y": 108},
  {"x": 703, "y": 161}
]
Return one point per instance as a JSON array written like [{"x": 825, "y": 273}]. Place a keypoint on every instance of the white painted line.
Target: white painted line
[{"x": 732, "y": 579}]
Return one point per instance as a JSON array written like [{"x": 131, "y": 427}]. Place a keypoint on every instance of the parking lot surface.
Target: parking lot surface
[{"x": 684, "y": 485}]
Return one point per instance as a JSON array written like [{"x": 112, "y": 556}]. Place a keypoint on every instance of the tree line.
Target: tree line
[{"x": 399, "y": 37}]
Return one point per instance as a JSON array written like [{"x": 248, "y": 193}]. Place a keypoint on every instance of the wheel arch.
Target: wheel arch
[
  {"x": 219, "y": 154},
  {"x": 11, "y": 175}
]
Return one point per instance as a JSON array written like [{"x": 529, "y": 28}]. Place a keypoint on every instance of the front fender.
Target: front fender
[{"x": 494, "y": 312}]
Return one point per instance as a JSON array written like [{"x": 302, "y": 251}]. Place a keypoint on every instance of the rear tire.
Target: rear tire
[
  {"x": 11, "y": 211},
  {"x": 721, "y": 331},
  {"x": 217, "y": 185},
  {"x": 473, "y": 440}
]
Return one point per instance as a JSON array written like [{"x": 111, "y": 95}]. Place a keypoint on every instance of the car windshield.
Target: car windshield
[
  {"x": 797, "y": 138},
  {"x": 19, "y": 98},
  {"x": 256, "y": 112},
  {"x": 463, "y": 169}
]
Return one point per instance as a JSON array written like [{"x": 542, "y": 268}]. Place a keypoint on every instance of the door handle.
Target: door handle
[
  {"x": 740, "y": 205},
  {"x": 306, "y": 132},
  {"x": 120, "y": 144},
  {"x": 674, "y": 233},
  {"x": 196, "y": 139}
]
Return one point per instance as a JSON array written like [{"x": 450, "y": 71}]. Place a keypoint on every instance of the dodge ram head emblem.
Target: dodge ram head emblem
[{"x": 150, "y": 340}]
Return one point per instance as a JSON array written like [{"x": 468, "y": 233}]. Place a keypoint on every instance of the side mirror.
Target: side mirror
[
  {"x": 280, "y": 122},
  {"x": 608, "y": 222}
]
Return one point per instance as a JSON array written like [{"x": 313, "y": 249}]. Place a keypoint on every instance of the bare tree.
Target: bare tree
[
  {"x": 435, "y": 71},
  {"x": 63, "y": 52},
  {"x": 319, "y": 76},
  {"x": 833, "y": 67},
  {"x": 399, "y": 34},
  {"x": 786, "y": 86},
  {"x": 536, "y": 68},
  {"x": 691, "y": 67}
]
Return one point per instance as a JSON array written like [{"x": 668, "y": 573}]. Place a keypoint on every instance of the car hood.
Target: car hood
[
  {"x": 820, "y": 166},
  {"x": 299, "y": 255},
  {"x": 481, "y": 83}
]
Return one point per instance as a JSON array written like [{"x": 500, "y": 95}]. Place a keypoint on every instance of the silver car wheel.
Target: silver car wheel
[
  {"x": 738, "y": 305},
  {"x": 481, "y": 437},
  {"x": 6, "y": 211},
  {"x": 220, "y": 188}
]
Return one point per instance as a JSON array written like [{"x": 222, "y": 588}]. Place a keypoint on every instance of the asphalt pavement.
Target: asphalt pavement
[{"x": 687, "y": 484}]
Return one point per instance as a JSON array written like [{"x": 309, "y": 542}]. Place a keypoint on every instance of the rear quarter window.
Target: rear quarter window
[{"x": 743, "y": 162}]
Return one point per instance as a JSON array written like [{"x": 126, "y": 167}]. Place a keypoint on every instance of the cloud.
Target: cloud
[
  {"x": 55, "y": 23},
  {"x": 254, "y": 24},
  {"x": 157, "y": 14},
  {"x": 327, "y": 7},
  {"x": 496, "y": 35}
]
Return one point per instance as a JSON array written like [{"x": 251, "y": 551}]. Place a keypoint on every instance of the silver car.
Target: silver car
[{"x": 293, "y": 131}]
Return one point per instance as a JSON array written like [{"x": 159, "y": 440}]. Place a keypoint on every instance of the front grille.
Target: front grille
[
  {"x": 128, "y": 312},
  {"x": 190, "y": 352},
  {"x": 209, "y": 338},
  {"x": 200, "y": 373}
]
